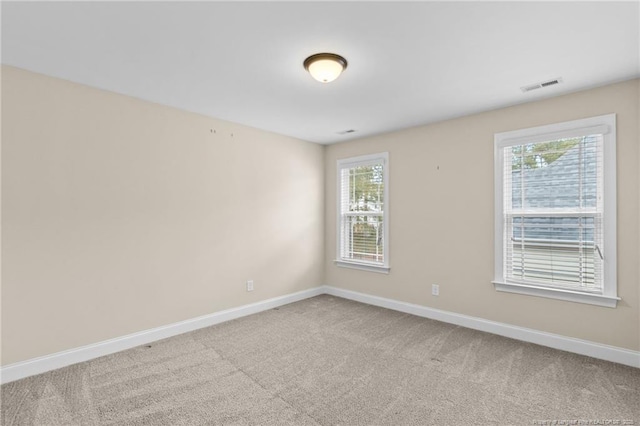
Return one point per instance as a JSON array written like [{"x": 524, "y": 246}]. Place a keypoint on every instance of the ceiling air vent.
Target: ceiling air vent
[
  {"x": 344, "y": 132},
  {"x": 540, "y": 85},
  {"x": 550, "y": 83}
]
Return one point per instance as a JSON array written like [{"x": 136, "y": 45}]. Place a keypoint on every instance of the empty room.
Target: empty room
[{"x": 320, "y": 213}]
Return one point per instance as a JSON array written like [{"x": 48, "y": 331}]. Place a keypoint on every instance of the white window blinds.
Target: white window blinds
[
  {"x": 362, "y": 203},
  {"x": 553, "y": 208}
]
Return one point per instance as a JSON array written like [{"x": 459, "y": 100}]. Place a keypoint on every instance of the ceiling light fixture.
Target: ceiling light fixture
[{"x": 325, "y": 67}]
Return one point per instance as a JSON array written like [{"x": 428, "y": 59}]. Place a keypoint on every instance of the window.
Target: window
[
  {"x": 363, "y": 213},
  {"x": 555, "y": 195}
]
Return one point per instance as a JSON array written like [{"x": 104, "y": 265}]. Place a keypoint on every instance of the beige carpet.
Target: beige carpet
[{"x": 329, "y": 361}]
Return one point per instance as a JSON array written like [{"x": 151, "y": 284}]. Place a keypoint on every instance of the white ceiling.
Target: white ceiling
[{"x": 410, "y": 63}]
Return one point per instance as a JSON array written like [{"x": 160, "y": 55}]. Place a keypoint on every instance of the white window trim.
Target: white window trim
[
  {"x": 352, "y": 162},
  {"x": 605, "y": 125}
]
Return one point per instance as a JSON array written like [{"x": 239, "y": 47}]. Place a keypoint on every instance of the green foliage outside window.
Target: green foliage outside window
[{"x": 538, "y": 155}]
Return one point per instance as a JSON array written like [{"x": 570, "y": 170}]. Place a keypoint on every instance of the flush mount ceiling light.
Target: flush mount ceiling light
[{"x": 325, "y": 67}]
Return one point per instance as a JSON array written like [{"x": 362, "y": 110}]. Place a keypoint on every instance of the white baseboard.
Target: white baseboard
[
  {"x": 46, "y": 363},
  {"x": 569, "y": 344}
]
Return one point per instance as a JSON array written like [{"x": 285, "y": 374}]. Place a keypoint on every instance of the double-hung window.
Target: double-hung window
[
  {"x": 362, "y": 221},
  {"x": 555, "y": 203}
]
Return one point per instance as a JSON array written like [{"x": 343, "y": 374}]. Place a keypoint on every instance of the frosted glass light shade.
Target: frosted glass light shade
[{"x": 325, "y": 67}]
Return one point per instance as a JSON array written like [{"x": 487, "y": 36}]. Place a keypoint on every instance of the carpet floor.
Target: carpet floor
[{"x": 330, "y": 361}]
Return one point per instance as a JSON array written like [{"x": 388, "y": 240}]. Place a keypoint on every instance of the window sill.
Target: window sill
[
  {"x": 363, "y": 266},
  {"x": 552, "y": 293}
]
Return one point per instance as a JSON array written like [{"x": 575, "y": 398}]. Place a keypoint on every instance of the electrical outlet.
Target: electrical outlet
[
  {"x": 250, "y": 285},
  {"x": 435, "y": 289}
]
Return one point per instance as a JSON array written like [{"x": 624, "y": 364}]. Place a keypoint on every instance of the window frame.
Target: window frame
[
  {"x": 351, "y": 162},
  {"x": 605, "y": 125}
]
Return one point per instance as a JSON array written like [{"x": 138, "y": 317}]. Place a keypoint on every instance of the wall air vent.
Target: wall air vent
[
  {"x": 344, "y": 132},
  {"x": 540, "y": 85}
]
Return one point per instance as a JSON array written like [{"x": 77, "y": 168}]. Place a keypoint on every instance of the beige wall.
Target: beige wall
[
  {"x": 441, "y": 218},
  {"x": 638, "y": 217},
  {"x": 121, "y": 215}
]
